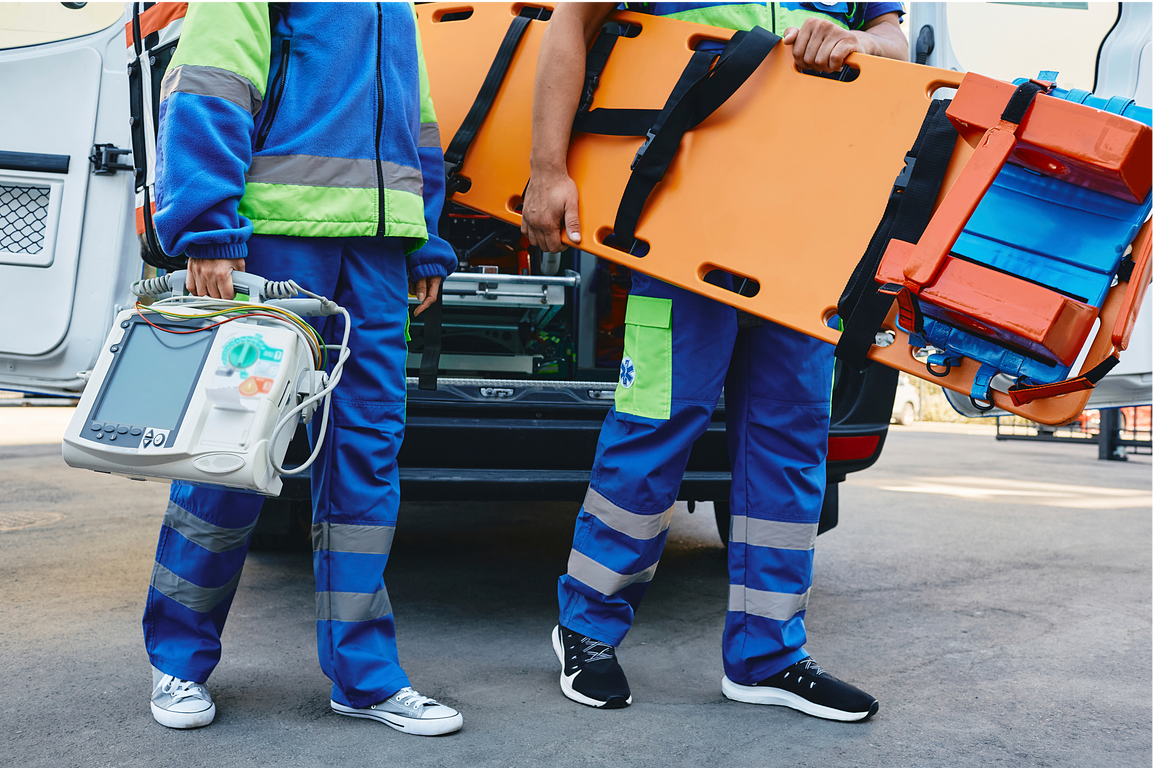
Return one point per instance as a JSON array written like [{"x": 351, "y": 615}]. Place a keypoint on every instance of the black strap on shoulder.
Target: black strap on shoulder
[
  {"x": 463, "y": 138},
  {"x": 431, "y": 352},
  {"x": 864, "y": 304},
  {"x": 698, "y": 93}
]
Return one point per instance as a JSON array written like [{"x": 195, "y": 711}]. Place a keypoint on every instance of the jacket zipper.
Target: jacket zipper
[
  {"x": 380, "y": 127},
  {"x": 278, "y": 92}
]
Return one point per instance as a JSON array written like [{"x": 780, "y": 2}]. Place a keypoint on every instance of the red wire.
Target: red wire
[{"x": 209, "y": 327}]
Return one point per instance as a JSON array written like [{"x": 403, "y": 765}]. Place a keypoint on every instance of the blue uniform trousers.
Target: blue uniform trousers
[
  {"x": 206, "y": 530},
  {"x": 680, "y": 350}
]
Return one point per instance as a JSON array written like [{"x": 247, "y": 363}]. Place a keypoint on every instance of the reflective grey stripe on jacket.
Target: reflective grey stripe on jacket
[
  {"x": 317, "y": 171},
  {"x": 356, "y": 539},
  {"x": 780, "y": 606},
  {"x": 353, "y": 606},
  {"x": 191, "y": 596},
  {"x": 637, "y": 526},
  {"x": 211, "y": 81},
  {"x": 771, "y": 533},
  {"x": 212, "y": 537},
  {"x": 430, "y": 136},
  {"x": 605, "y": 580}
]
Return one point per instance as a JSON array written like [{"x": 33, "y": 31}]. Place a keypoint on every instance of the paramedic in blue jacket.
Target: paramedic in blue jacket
[
  {"x": 680, "y": 350},
  {"x": 299, "y": 142}
]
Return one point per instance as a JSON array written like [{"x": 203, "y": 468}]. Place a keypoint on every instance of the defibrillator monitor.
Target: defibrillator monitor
[{"x": 200, "y": 390}]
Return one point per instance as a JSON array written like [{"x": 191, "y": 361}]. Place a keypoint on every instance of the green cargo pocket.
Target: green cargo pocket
[{"x": 645, "y": 382}]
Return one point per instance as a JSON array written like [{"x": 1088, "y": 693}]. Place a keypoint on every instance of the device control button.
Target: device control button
[
  {"x": 122, "y": 430},
  {"x": 219, "y": 463},
  {"x": 111, "y": 435},
  {"x": 249, "y": 387},
  {"x": 136, "y": 430},
  {"x": 243, "y": 355},
  {"x": 97, "y": 427},
  {"x": 158, "y": 439},
  {"x": 99, "y": 435}
]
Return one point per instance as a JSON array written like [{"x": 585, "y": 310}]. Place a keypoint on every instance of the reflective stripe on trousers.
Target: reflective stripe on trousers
[
  {"x": 777, "y": 421},
  {"x": 354, "y": 481}
]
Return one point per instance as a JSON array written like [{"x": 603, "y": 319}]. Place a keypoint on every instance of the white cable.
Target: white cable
[
  {"x": 326, "y": 393},
  {"x": 152, "y": 287}
]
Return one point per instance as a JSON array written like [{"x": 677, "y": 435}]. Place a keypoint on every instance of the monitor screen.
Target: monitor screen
[{"x": 153, "y": 378}]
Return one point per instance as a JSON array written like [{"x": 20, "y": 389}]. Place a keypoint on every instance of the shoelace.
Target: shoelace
[
  {"x": 182, "y": 689},
  {"x": 407, "y": 697},
  {"x": 811, "y": 666},
  {"x": 595, "y": 650}
]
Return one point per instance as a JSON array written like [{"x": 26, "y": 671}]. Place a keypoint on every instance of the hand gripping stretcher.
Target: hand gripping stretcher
[{"x": 1020, "y": 230}]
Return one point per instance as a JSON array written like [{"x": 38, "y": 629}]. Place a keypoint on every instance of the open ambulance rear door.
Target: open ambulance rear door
[
  {"x": 1100, "y": 47},
  {"x": 68, "y": 246}
]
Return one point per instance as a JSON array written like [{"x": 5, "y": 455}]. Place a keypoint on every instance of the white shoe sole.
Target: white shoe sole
[
  {"x": 418, "y": 727},
  {"x": 751, "y": 694},
  {"x": 567, "y": 680},
  {"x": 183, "y": 720}
]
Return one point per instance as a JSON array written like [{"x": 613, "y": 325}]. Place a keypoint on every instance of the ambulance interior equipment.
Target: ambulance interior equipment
[
  {"x": 508, "y": 309},
  {"x": 205, "y": 390}
]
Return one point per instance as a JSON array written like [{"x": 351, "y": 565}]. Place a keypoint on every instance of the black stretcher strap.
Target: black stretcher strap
[
  {"x": 698, "y": 93},
  {"x": 431, "y": 352},
  {"x": 463, "y": 138},
  {"x": 864, "y": 304}
]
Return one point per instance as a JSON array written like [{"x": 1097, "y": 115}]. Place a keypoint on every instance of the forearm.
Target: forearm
[
  {"x": 883, "y": 37},
  {"x": 559, "y": 80}
]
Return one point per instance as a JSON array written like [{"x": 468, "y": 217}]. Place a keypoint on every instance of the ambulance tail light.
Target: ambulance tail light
[{"x": 855, "y": 448}]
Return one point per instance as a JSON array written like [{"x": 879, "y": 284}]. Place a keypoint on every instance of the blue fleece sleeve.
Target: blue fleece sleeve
[
  {"x": 436, "y": 258},
  {"x": 203, "y": 149},
  {"x": 213, "y": 87}
]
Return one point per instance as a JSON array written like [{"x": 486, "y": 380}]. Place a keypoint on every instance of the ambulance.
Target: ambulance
[{"x": 529, "y": 343}]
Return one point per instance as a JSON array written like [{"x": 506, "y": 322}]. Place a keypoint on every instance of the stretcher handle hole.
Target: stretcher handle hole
[
  {"x": 730, "y": 281},
  {"x": 452, "y": 14},
  {"x": 637, "y": 248},
  {"x": 847, "y": 74},
  {"x": 698, "y": 41},
  {"x": 624, "y": 28},
  {"x": 514, "y": 204},
  {"x": 539, "y": 12}
]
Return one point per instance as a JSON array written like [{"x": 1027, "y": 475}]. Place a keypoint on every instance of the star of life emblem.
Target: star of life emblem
[{"x": 628, "y": 372}]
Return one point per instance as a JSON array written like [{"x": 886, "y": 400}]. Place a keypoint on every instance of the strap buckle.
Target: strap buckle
[
  {"x": 649, "y": 136},
  {"x": 903, "y": 179},
  {"x": 453, "y": 182}
]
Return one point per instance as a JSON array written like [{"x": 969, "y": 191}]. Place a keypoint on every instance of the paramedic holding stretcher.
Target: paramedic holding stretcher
[
  {"x": 299, "y": 141},
  {"x": 680, "y": 350}
]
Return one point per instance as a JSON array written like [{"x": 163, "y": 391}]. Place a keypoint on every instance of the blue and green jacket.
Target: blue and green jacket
[
  {"x": 303, "y": 119},
  {"x": 776, "y": 17}
]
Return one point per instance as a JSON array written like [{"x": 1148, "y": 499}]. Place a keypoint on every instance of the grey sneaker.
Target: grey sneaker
[
  {"x": 180, "y": 703},
  {"x": 408, "y": 711}
]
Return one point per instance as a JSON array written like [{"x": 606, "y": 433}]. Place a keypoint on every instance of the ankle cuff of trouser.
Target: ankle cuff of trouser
[{"x": 369, "y": 699}]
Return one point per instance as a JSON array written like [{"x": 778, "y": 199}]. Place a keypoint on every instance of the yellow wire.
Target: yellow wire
[{"x": 320, "y": 351}]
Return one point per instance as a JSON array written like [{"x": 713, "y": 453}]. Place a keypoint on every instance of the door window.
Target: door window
[
  {"x": 23, "y": 24},
  {"x": 1011, "y": 40}
]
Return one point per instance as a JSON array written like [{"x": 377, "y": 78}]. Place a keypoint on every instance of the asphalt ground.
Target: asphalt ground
[{"x": 994, "y": 596}]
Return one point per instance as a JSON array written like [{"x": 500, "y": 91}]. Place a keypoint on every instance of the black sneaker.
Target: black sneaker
[
  {"x": 807, "y": 688},
  {"x": 590, "y": 673}
]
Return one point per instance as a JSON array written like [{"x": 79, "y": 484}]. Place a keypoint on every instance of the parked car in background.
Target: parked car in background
[{"x": 907, "y": 401}]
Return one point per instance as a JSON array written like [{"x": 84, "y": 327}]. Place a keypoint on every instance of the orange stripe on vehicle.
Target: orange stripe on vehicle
[
  {"x": 140, "y": 218},
  {"x": 155, "y": 19}
]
